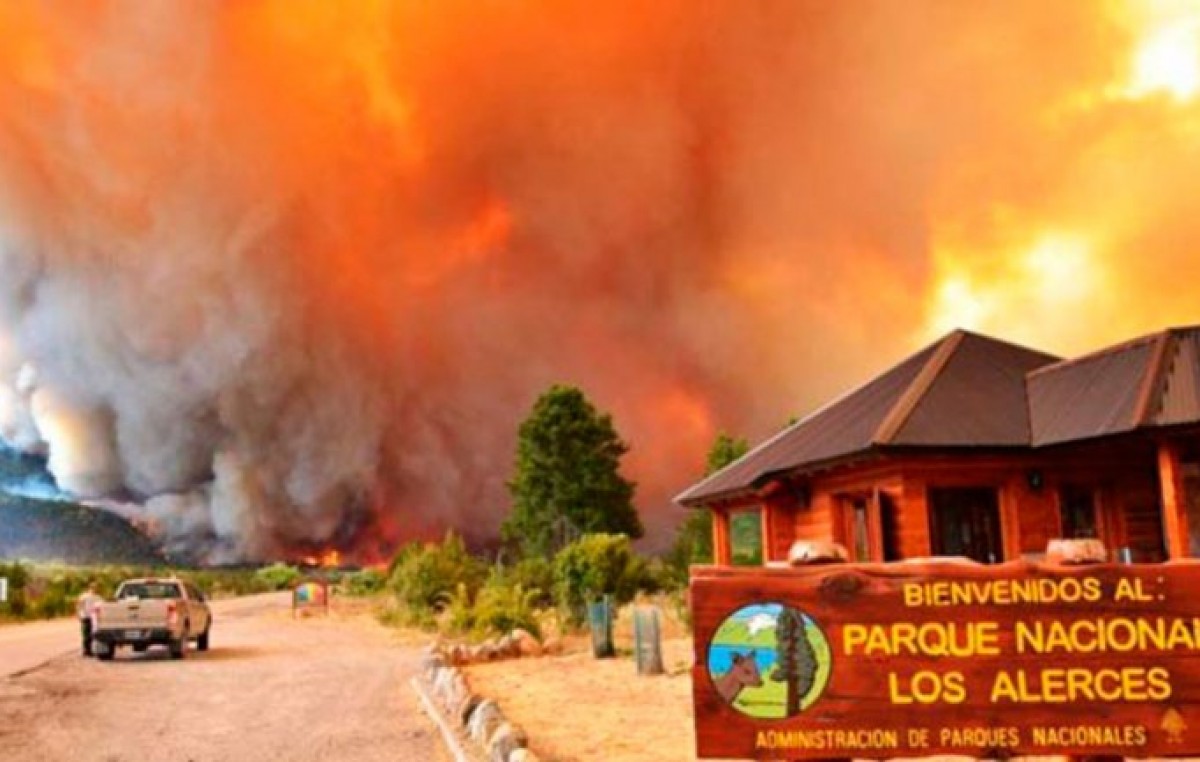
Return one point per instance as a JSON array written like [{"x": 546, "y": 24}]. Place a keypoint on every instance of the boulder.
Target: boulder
[
  {"x": 485, "y": 719},
  {"x": 525, "y": 643},
  {"x": 505, "y": 739},
  {"x": 804, "y": 552},
  {"x": 506, "y": 647},
  {"x": 1073, "y": 552},
  {"x": 430, "y": 664},
  {"x": 465, "y": 708}
]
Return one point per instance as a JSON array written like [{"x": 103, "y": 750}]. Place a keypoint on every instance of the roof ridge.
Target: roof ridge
[
  {"x": 903, "y": 408},
  {"x": 1114, "y": 348},
  {"x": 1009, "y": 344},
  {"x": 1165, "y": 349},
  {"x": 680, "y": 498}
]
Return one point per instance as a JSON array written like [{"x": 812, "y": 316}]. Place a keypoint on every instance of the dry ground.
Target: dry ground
[
  {"x": 577, "y": 708},
  {"x": 271, "y": 688}
]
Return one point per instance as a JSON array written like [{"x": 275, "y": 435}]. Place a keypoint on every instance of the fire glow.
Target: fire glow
[{"x": 289, "y": 272}]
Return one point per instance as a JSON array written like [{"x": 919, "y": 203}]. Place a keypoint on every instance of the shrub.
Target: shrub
[
  {"x": 460, "y": 611},
  {"x": 536, "y": 576},
  {"x": 426, "y": 577},
  {"x": 502, "y": 607},
  {"x": 18, "y": 577},
  {"x": 594, "y": 566},
  {"x": 278, "y": 576},
  {"x": 365, "y": 582}
]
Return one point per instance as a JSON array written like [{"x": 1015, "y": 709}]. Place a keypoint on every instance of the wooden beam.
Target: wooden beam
[
  {"x": 900, "y": 412},
  {"x": 1156, "y": 373},
  {"x": 766, "y": 526},
  {"x": 722, "y": 549},
  {"x": 1174, "y": 500}
]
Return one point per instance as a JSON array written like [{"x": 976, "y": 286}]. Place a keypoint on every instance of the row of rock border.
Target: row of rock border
[{"x": 480, "y": 719}]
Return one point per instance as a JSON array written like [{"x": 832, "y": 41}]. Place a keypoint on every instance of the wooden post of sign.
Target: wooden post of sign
[
  {"x": 1064, "y": 552},
  {"x": 806, "y": 553}
]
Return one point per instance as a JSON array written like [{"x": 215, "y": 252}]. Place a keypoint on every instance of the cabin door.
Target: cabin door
[{"x": 966, "y": 522}]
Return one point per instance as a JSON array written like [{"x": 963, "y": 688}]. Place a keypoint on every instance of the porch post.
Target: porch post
[
  {"x": 722, "y": 551},
  {"x": 1174, "y": 500},
  {"x": 768, "y": 530}
]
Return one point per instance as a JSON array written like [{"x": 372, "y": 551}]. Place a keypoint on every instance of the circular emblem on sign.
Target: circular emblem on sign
[{"x": 769, "y": 661}]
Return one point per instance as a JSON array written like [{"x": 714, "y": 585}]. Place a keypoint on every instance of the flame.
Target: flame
[
  {"x": 369, "y": 234},
  {"x": 1167, "y": 54},
  {"x": 326, "y": 559},
  {"x": 1054, "y": 248}
]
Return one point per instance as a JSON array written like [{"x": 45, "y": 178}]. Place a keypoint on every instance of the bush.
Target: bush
[
  {"x": 460, "y": 611},
  {"x": 426, "y": 576},
  {"x": 502, "y": 607},
  {"x": 365, "y": 582},
  {"x": 18, "y": 577},
  {"x": 594, "y": 566},
  {"x": 278, "y": 576},
  {"x": 536, "y": 576}
]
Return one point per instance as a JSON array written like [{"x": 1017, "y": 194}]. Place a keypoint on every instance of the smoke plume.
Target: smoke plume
[{"x": 286, "y": 274}]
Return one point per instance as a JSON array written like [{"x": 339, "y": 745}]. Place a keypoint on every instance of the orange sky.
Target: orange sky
[{"x": 299, "y": 268}]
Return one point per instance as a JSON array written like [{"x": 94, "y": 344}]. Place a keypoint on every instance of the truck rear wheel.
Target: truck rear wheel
[{"x": 103, "y": 651}]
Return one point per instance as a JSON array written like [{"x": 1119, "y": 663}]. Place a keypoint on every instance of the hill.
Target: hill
[
  {"x": 39, "y": 523},
  {"x": 47, "y": 530}
]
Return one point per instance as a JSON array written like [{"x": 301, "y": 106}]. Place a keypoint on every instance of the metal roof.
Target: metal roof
[
  {"x": 931, "y": 398},
  {"x": 1092, "y": 396},
  {"x": 1179, "y": 398},
  {"x": 968, "y": 390}
]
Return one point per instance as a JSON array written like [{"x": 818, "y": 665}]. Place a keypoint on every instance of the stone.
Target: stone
[
  {"x": 505, "y": 739},
  {"x": 1074, "y": 552},
  {"x": 484, "y": 720},
  {"x": 552, "y": 646},
  {"x": 804, "y": 552},
  {"x": 454, "y": 692},
  {"x": 506, "y": 647},
  {"x": 525, "y": 643},
  {"x": 522, "y": 755},
  {"x": 430, "y": 665},
  {"x": 465, "y": 708},
  {"x": 482, "y": 653}
]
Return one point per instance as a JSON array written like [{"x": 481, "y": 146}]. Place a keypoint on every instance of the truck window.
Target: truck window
[{"x": 152, "y": 590}]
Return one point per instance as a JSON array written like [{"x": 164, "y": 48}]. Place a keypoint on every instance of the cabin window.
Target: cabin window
[
  {"x": 860, "y": 529},
  {"x": 746, "y": 538},
  {"x": 966, "y": 522},
  {"x": 1077, "y": 511},
  {"x": 889, "y": 524}
]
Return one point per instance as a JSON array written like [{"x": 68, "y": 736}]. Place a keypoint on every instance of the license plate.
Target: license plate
[{"x": 134, "y": 634}]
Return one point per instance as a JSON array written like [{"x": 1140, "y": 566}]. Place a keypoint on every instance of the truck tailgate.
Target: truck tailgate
[{"x": 133, "y": 614}]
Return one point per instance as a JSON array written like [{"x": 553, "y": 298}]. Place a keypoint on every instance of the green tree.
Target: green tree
[
  {"x": 567, "y": 480},
  {"x": 795, "y": 660},
  {"x": 693, "y": 543}
]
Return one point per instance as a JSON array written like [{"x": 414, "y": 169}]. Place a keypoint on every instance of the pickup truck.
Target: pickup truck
[{"x": 151, "y": 612}]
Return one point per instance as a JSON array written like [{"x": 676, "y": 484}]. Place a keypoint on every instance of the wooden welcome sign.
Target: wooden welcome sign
[{"x": 874, "y": 660}]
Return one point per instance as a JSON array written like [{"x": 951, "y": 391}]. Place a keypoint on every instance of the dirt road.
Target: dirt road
[{"x": 271, "y": 688}]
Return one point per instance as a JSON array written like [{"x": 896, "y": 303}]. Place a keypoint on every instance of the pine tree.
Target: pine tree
[
  {"x": 795, "y": 660},
  {"x": 567, "y": 480}
]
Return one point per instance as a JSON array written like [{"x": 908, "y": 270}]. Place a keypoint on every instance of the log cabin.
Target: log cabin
[{"x": 979, "y": 448}]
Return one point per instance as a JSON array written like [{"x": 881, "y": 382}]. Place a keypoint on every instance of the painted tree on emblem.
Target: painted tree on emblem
[{"x": 795, "y": 660}]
